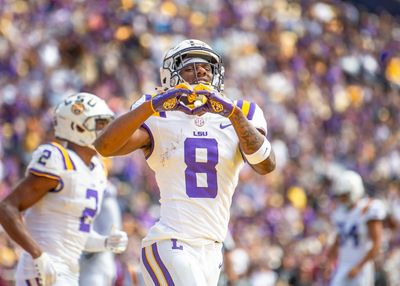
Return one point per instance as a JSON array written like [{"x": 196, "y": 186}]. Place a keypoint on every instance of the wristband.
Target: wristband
[{"x": 261, "y": 154}]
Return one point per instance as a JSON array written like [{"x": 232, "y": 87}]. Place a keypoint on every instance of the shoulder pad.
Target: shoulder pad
[{"x": 50, "y": 160}]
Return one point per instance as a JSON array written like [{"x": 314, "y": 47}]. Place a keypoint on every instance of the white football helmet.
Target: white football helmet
[
  {"x": 349, "y": 182},
  {"x": 76, "y": 118},
  {"x": 173, "y": 59}
]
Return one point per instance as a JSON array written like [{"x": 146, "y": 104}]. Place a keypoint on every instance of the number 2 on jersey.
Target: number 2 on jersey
[
  {"x": 88, "y": 213},
  {"x": 44, "y": 157},
  {"x": 204, "y": 167}
]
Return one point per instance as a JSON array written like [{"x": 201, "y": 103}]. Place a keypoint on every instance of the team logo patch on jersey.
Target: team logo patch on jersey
[
  {"x": 199, "y": 121},
  {"x": 78, "y": 108}
]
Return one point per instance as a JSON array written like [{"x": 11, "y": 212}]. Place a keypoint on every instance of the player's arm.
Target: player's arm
[
  {"x": 375, "y": 230},
  {"x": 116, "y": 242},
  {"x": 29, "y": 191},
  {"x": 252, "y": 141},
  {"x": 123, "y": 135},
  {"x": 332, "y": 253}
]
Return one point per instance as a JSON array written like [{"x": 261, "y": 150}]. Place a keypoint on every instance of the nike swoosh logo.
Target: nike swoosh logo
[{"x": 224, "y": 126}]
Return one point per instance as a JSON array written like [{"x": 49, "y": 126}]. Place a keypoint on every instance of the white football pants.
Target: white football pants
[{"x": 176, "y": 263}]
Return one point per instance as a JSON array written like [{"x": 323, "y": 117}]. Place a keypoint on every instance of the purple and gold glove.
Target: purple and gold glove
[
  {"x": 169, "y": 100},
  {"x": 216, "y": 103}
]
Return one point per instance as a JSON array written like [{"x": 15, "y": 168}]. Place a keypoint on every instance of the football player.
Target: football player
[
  {"x": 196, "y": 139},
  {"x": 100, "y": 268},
  {"x": 61, "y": 194},
  {"x": 358, "y": 221}
]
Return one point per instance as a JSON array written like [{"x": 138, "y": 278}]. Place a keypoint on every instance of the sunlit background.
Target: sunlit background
[{"x": 326, "y": 73}]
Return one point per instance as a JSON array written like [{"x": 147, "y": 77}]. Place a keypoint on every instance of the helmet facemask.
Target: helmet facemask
[{"x": 190, "y": 52}]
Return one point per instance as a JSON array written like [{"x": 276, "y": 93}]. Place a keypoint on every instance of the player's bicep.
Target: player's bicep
[
  {"x": 30, "y": 190},
  {"x": 140, "y": 139}
]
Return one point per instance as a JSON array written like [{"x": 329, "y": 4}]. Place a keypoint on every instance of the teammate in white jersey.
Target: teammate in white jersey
[
  {"x": 196, "y": 140},
  {"x": 100, "y": 268},
  {"x": 61, "y": 194},
  {"x": 359, "y": 225}
]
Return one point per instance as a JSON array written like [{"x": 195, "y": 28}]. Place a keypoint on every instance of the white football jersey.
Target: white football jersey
[
  {"x": 352, "y": 229},
  {"x": 61, "y": 221},
  {"x": 196, "y": 160}
]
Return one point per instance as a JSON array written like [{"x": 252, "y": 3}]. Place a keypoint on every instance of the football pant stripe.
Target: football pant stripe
[
  {"x": 164, "y": 269},
  {"x": 68, "y": 163},
  {"x": 149, "y": 268},
  {"x": 155, "y": 266}
]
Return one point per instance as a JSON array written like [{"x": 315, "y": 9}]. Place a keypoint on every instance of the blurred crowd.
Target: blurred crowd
[{"x": 326, "y": 73}]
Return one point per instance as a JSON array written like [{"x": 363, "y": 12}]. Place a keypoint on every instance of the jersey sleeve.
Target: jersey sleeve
[
  {"x": 49, "y": 161},
  {"x": 254, "y": 114},
  {"x": 376, "y": 211}
]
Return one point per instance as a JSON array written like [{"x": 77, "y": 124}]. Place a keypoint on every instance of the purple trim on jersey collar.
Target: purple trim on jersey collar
[
  {"x": 252, "y": 109},
  {"x": 144, "y": 126},
  {"x": 148, "y": 268},
  {"x": 164, "y": 270}
]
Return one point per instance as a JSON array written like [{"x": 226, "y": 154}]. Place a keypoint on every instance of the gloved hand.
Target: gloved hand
[
  {"x": 216, "y": 103},
  {"x": 117, "y": 241},
  {"x": 47, "y": 274},
  {"x": 169, "y": 100}
]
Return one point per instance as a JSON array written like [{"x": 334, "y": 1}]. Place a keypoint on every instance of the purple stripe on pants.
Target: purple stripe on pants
[
  {"x": 28, "y": 283},
  {"x": 148, "y": 268},
  {"x": 162, "y": 266}
]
